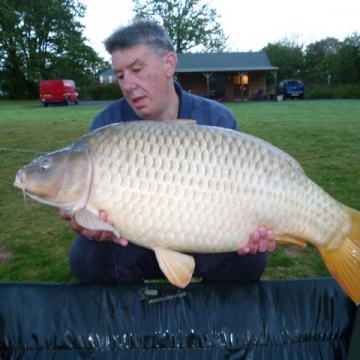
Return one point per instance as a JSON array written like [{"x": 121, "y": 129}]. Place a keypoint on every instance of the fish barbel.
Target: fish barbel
[{"x": 176, "y": 187}]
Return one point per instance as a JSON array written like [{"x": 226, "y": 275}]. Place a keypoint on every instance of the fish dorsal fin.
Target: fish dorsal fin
[
  {"x": 290, "y": 240},
  {"x": 90, "y": 221},
  {"x": 181, "y": 121},
  {"x": 177, "y": 267}
]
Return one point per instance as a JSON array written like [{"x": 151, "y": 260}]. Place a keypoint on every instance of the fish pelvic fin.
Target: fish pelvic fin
[
  {"x": 177, "y": 267},
  {"x": 90, "y": 221},
  {"x": 290, "y": 240},
  {"x": 344, "y": 261}
]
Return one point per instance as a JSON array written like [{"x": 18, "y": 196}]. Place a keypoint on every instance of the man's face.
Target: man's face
[{"x": 144, "y": 79}]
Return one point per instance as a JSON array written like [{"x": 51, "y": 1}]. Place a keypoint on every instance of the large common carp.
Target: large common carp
[{"x": 176, "y": 188}]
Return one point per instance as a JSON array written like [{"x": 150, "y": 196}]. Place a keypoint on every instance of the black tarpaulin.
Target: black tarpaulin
[{"x": 297, "y": 319}]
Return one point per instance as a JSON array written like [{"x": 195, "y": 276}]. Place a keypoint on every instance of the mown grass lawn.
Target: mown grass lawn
[{"x": 324, "y": 136}]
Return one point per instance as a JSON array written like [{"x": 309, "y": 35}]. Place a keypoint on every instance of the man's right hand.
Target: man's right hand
[
  {"x": 96, "y": 235},
  {"x": 261, "y": 240}
]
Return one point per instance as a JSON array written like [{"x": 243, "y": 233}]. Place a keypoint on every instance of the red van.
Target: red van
[{"x": 58, "y": 92}]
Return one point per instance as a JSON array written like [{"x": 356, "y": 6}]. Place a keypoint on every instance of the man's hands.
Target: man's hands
[
  {"x": 261, "y": 239},
  {"x": 96, "y": 235}
]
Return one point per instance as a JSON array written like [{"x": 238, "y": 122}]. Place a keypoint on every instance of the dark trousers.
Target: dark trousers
[{"x": 106, "y": 262}]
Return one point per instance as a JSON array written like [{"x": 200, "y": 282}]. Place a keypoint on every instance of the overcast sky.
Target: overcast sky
[{"x": 249, "y": 25}]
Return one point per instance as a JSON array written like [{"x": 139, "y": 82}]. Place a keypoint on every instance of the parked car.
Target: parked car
[
  {"x": 291, "y": 89},
  {"x": 58, "y": 92}
]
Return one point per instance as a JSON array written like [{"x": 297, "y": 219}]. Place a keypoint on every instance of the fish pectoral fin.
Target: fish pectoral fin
[
  {"x": 90, "y": 221},
  {"x": 290, "y": 240},
  {"x": 344, "y": 261},
  {"x": 177, "y": 267}
]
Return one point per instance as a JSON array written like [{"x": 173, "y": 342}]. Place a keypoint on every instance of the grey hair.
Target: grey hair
[{"x": 138, "y": 32}]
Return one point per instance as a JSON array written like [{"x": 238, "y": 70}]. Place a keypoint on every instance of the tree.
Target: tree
[
  {"x": 320, "y": 60},
  {"x": 42, "y": 39},
  {"x": 347, "y": 61},
  {"x": 190, "y": 24},
  {"x": 288, "y": 56}
]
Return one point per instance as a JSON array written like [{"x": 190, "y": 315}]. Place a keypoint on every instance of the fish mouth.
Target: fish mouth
[{"x": 19, "y": 182}]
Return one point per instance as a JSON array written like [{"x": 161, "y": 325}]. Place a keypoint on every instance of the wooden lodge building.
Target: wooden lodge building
[{"x": 225, "y": 76}]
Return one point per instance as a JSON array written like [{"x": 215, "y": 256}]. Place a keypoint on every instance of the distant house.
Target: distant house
[
  {"x": 222, "y": 76},
  {"x": 107, "y": 77}
]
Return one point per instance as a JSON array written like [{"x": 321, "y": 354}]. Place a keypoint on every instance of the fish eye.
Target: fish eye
[{"x": 44, "y": 164}]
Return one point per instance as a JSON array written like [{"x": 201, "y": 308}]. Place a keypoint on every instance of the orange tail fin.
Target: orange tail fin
[{"x": 344, "y": 262}]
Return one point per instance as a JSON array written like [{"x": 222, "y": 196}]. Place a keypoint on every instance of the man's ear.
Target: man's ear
[{"x": 170, "y": 61}]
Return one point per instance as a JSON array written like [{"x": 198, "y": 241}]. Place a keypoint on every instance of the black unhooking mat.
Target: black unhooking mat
[{"x": 297, "y": 319}]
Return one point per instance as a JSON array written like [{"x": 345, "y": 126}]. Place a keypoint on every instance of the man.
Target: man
[{"x": 144, "y": 62}]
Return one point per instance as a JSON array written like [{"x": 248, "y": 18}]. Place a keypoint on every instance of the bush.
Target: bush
[
  {"x": 101, "y": 92},
  {"x": 345, "y": 91}
]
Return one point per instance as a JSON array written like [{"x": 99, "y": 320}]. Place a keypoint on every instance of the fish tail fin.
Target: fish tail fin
[{"x": 344, "y": 262}]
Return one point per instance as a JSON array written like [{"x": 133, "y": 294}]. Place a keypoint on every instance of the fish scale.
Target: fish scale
[
  {"x": 230, "y": 172},
  {"x": 178, "y": 187}
]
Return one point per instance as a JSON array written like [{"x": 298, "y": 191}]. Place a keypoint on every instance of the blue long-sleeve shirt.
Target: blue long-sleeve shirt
[
  {"x": 103, "y": 262},
  {"x": 204, "y": 111}
]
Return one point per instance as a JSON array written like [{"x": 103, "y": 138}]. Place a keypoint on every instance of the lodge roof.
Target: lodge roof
[
  {"x": 217, "y": 62},
  {"x": 239, "y": 61}
]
